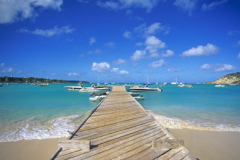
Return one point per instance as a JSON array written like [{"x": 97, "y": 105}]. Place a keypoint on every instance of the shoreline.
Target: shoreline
[
  {"x": 29, "y": 149},
  {"x": 214, "y": 145},
  {"x": 203, "y": 145}
]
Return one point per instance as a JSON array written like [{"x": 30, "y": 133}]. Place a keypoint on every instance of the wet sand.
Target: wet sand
[
  {"x": 204, "y": 145},
  {"x": 28, "y": 149},
  {"x": 210, "y": 145}
]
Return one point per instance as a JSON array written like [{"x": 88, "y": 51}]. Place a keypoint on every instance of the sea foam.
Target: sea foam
[
  {"x": 55, "y": 128},
  {"x": 175, "y": 123}
]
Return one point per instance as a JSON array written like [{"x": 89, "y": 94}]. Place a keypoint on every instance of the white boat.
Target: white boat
[
  {"x": 139, "y": 97},
  {"x": 94, "y": 89},
  {"x": 133, "y": 93},
  {"x": 145, "y": 89},
  {"x": 97, "y": 98},
  {"x": 219, "y": 85},
  {"x": 174, "y": 83},
  {"x": 185, "y": 85},
  {"x": 43, "y": 84},
  {"x": 73, "y": 87}
]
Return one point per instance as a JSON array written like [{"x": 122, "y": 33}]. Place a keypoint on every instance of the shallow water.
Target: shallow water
[{"x": 32, "y": 112}]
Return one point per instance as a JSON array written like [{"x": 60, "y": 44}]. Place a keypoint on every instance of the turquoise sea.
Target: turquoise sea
[{"x": 32, "y": 112}]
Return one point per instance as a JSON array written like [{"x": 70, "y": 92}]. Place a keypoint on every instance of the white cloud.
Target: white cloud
[
  {"x": 84, "y": 1},
  {"x": 233, "y": 33},
  {"x": 127, "y": 34},
  {"x": 154, "y": 28},
  {"x": 102, "y": 67},
  {"x": 7, "y": 70},
  {"x": 120, "y": 72},
  {"x": 123, "y": 72},
  {"x": 109, "y": 5},
  {"x": 92, "y": 40},
  {"x": 238, "y": 57},
  {"x": 14, "y": 10},
  {"x": 218, "y": 67},
  {"x": 50, "y": 32},
  {"x": 105, "y": 67},
  {"x": 157, "y": 64},
  {"x": 168, "y": 53},
  {"x": 73, "y": 74},
  {"x": 4, "y": 69},
  {"x": 186, "y": 5},
  {"x": 126, "y": 4},
  {"x": 201, "y": 51},
  {"x": 224, "y": 68},
  {"x": 96, "y": 51},
  {"x": 153, "y": 44},
  {"x": 119, "y": 61},
  {"x": 110, "y": 44},
  {"x": 139, "y": 44},
  {"x": 174, "y": 70},
  {"x": 211, "y": 6},
  {"x": 138, "y": 55},
  {"x": 206, "y": 66}
]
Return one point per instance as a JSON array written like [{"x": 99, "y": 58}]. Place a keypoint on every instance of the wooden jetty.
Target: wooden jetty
[{"x": 120, "y": 128}]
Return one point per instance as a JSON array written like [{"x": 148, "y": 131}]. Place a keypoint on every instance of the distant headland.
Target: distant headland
[
  {"x": 233, "y": 78},
  {"x": 6, "y": 79}
]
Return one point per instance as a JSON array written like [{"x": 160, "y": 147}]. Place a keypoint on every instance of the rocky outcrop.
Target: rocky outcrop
[{"x": 233, "y": 78}]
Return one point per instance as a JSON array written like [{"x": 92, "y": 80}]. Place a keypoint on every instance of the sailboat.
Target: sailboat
[
  {"x": 33, "y": 82},
  {"x": 175, "y": 82},
  {"x": 44, "y": 84},
  {"x": 157, "y": 82},
  {"x": 147, "y": 82}
]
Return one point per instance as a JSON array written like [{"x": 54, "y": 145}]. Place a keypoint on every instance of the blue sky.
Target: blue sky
[{"x": 120, "y": 40}]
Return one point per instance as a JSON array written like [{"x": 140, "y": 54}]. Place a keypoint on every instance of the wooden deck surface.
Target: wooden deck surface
[{"x": 120, "y": 128}]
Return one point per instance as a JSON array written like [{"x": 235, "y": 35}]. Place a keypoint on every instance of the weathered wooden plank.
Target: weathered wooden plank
[
  {"x": 116, "y": 150},
  {"x": 115, "y": 115},
  {"x": 113, "y": 135},
  {"x": 179, "y": 155},
  {"x": 74, "y": 144},
  {"x": 108, "y": 123},
  {"x": 167, "y": 144},
  {"x": 125, "y": 129},
  {"x": 122, "y": 143},
  {"x": 169, "y": 154},
  {"x": 114, "y": 127}
]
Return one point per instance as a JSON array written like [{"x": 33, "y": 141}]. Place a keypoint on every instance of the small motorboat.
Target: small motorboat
[
  {"x": 185, "y": 85},
  {"x": 139, "y": 97},
  {"x": 219, "y": 85},
  {"x": 145, "y": 89},
  {"x": 95, "y": 98},
  {"x": 133, "y": 93},
  {"x": 98, "y": 94}
]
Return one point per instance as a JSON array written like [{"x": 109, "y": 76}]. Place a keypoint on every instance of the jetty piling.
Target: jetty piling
[{"x": 120, "y": 128}]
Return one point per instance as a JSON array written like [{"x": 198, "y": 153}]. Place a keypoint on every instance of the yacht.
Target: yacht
[
  {"x": 145, "y": 89},
  {"x": 43, "y": 84},
  {"x": 219, "y": 85},
  {"x": 74, "y": 87},
  {"x": 175, "y": 82},
  {"x": 185, "y": 85},
  {"x": 94, "y": 89}
]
